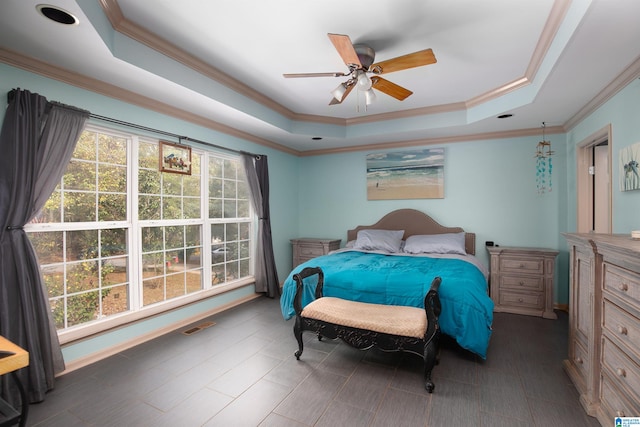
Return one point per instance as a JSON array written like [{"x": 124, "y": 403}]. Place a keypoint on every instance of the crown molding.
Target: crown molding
[
  {"x": 112, "y": 91},
  {"x": 437, "y": 141}
]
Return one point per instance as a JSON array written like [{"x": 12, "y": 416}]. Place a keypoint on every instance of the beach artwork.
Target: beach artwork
[
  {"x": 630, "y": 167},
  {"x": 413, "y": 174}
]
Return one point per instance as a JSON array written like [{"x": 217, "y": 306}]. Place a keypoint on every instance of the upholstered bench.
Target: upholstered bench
[{"x": 364, "y": 325}]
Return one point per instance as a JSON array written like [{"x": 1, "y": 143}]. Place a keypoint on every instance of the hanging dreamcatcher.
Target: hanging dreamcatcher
[{"x": 544, "y": 166}]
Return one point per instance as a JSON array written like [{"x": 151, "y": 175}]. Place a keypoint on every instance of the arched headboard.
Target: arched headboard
[{"x": 414, "y": 222}]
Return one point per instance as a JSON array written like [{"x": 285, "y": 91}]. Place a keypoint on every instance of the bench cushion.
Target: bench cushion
[{"x": 388, "y": 319}]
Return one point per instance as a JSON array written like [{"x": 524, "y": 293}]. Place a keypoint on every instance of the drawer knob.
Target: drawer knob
[
  {"x": 621, "y": 372},
  {"x": 620, "y": 414},
  {"x": 520, "y": 300},
  {"x": 579, "y": 360},
  {"x": 521, "y": 265},
  {"x": 622, "y": 330},
  {"x": 624, "y": 287},
  {"x": 521, "y": 283}
]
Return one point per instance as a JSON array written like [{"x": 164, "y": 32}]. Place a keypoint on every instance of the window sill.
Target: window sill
[{"x": 98, "y": 327}]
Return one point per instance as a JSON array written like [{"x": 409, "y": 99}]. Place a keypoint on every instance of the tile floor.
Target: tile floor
[{"x": 242, "y": 372}]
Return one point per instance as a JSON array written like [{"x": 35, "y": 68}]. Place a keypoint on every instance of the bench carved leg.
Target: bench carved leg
[
  {"x": 297, "y": 332},
  {"x": 430, "y": 360}
]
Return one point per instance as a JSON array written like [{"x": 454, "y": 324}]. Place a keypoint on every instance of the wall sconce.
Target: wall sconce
[{"x": 544, "y": 166}]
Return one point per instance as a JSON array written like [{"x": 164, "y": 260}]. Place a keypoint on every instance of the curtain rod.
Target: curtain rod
[{"x": 11, "y": 94}]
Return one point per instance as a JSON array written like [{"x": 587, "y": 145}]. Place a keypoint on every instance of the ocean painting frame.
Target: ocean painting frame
[{"x": 411, "y": 174}]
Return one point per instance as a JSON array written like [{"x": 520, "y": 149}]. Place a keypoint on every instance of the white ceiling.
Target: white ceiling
[{"x": 540, "y": 60}]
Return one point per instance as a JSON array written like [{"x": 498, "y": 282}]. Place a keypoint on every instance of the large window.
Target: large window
[{"x": 117, "y": 236}]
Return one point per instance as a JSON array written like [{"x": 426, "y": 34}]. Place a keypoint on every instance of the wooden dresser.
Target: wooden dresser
[
  {"x": 604, "y": 324},
  {"x": 306, "y": 248},
  {"x": 522, "y": 280}
]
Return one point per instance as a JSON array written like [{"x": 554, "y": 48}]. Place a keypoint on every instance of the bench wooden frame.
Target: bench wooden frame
[{"x": 363, "y": 339}]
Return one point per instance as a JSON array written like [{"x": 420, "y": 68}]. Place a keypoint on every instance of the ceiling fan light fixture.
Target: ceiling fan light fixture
[
  {"x": 369, "y": 97},
  {"x": 338, "y": 93},
  {"x": 364, "y": 82}
]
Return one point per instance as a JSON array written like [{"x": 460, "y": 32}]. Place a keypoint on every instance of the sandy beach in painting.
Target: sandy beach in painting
[{"x": 415, "y": 187}]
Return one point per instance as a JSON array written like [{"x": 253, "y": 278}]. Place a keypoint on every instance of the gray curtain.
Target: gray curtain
[
  {"x": 36, "y": 142},
  {"x": 266, "y": 275}
]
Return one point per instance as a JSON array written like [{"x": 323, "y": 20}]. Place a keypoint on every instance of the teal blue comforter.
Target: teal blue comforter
[{"x": 467, "y": 310}]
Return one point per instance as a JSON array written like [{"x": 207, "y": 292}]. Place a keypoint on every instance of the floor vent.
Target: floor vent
[{"x": 200, "y": 327}]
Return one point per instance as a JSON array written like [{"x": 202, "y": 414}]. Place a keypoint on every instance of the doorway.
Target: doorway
[{"x": 593, "y": 182}]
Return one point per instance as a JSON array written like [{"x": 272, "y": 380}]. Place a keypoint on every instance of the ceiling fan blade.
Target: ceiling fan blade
[
  {"x": 335, "y": 101},
  {"x": 391, "y": 89},
  {"x": 345, "y": 48},
  {"x": 296, "y": 75},
  {"x": 416, "y": 59}
]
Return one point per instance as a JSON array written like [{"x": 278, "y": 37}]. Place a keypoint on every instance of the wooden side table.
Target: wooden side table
[
  {"x": 306, "y": 248},
  {"x": 10, "y": 364},
  {"x": 522, "y": 280}
]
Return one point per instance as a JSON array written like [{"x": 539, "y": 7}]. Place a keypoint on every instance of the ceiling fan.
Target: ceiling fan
[{"x": 359, "y": 58}]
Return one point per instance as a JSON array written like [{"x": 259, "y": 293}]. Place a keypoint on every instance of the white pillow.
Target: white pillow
[
  {"x": 446, "y": 243},
  {"x": 379, "y": 240}
]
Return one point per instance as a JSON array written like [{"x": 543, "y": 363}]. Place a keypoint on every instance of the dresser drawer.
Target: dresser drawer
[
  {"x": 526, "y": 300},
  {"x": 527, "y": 283},
  {"x": 623, "y": 283},
  {"x": 623, "y": 370},
  {"x": 620, "y": 324},
  {"x": 613, "y": 404},
  {"x": 522, "y": 265},
  {"x": 581, "y": 361}
]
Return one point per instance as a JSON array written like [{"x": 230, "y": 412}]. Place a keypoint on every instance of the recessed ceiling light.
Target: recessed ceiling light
[
  {"x": 56, "y": 14},
  {"x": 316, "y": 138},
  {"x": 505, "y": 116}
]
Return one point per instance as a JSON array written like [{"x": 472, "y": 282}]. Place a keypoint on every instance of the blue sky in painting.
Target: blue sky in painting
[{"x": 428, "y": 157}]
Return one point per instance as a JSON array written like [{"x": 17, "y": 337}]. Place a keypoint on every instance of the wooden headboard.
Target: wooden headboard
[{"x": 414, "y": 222}]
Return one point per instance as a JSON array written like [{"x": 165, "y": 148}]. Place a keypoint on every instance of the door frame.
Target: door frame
[{"x": 584, "y": 183}]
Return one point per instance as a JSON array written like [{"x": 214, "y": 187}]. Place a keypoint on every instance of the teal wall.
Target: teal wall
[
  {"x": 490, "y": 187},
  {"x": 622, "y": 112}
]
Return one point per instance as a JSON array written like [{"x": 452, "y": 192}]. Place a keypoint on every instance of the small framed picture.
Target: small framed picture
[{"x": 175, "y": 158}]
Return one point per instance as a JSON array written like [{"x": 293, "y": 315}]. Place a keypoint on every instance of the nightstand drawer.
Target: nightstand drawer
[
  {"x": 522, "y": 265},
  {"x": 516, "y": 299},
  {"x": 310, "y": 251},
  {"x": 622, "y": 282},
  {"x": 527, "y": 283}
]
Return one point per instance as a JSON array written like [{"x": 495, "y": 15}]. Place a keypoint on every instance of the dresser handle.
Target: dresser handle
[
  {"x": 620, "y": 414},
  {"x": 521, "y": 283},
  {"x": 621, "y": 372},
  {"x": 520, "y": 300},
  {"x": 622, "y": 330},
  {"x": 521, "y": 265},
  {"x": 579, "y": 360},
  {"x": 624, "y": 287}
]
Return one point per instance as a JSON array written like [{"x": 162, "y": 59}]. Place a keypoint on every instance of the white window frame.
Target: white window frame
[{"x": 134, "y": 256}]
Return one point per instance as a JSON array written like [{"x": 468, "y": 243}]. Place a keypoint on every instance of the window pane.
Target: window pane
[
  {"x": 48, "y": 246},
  {"x": 86, "y": 147},
  {"x": 171, "y": 207},
  {"x": 171, "y": 184},
  {"x": 112, "y": 149},
  {"x": 112, "y": 179},
  {"x": 79, "y": 207},
  {"x": 149, "y": 207},
  {"x": 81, "y": 244},
  {"x": 148, "y": 155},
  {"x": 112, "y": 207},
  {"x": 152, "y": 239},
  {"x": 149, "y": 181},
  {"x": 80, "y": 176}
]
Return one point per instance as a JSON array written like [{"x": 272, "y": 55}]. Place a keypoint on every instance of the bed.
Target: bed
[{"x": 394, "y": 261}]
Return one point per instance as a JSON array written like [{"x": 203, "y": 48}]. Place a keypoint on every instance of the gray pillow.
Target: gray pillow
[
  {"x": 446, "y": 243},
  {"x": 379, "y": 240}
]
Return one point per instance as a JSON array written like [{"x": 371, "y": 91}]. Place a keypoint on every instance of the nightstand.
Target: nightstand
[
  {"x": 306, "y": 248},
  {"x": 522, "y": 280}
]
